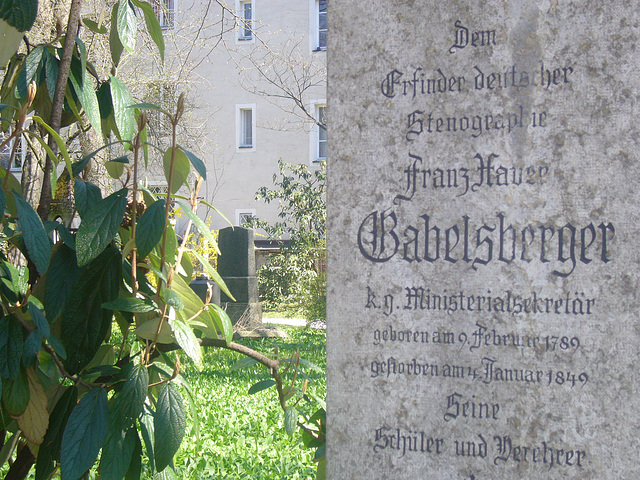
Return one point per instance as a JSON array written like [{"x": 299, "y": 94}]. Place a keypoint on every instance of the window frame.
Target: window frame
[
  {"x": 244, "y": 211},
  {"x": 241, "y": 27},
  {"x": 315, "y": 28},
  {"x": 241, "y": 144},
  {"x": 315, "y": 139},
  {"x": 21, "y": 153},
  {"x": 165, "y": 11}
]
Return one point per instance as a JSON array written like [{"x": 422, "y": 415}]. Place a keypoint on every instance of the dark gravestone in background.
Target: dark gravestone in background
[
  {"x": 483, "y": 240},
  {"x": 237, "y": 267}
]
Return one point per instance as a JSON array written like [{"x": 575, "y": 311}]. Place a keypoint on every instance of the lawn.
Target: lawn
[{"x": 242, "y": 436}]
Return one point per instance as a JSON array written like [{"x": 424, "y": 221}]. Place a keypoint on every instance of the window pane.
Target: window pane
[
  {"x": 246, "y": 130},
  {"x": 246, "y": 15}
]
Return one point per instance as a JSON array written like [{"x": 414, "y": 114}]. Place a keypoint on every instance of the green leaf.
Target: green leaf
[
  {"x": 146, "y": 429},
  {"x": 15, "y": 394},
  {"x": 99, "y": 226},
  {"x": 124, "y": 116},
  {"x": 222, "y": 321},
  {"x": 150, "y": 227},
  {"x": 35, "y": 237},
  {"x": 88, "y": 99},
  {"x": 57, "y": 346},
  {"x": 49, "y": 451},
  {"x": 84, "y": 434},
  {"x": 129, "y": 402},
  {"x": 84, "y": 323},
  {"x": 114, "y": 169},
  {"x": 200, "y": 225},
  {"x": 197, "y": 163},
  {"x": 61, "y": 277},
  {"x": 116, "y": 454},
  {"x": 131, "y": 304},
  {"x": 243, "y": 363},
  {"x": 115, "y": 45},
  {"x": 135, "y": 465},
  {"x": 169, "y": 425},
  {"x": 213, "y": 273},
  {"x": 62, "y": 147},
  {"x": 32, "y": 65},
  {"x": 31, "y": 348},
  {"x": 290, "y": 420},
  {"x": 181, "y": 168},
  {"x": 20, "y": 14},
  {"x": 39, "y": 319},
  {"x": 86, "y": 195},
  {"x": 153, "y": 25},
  {"x": 94, "y": 27},
  {"x": 172, "y": 299},
  {"x": 187, "y": 340},
  {"x": 261, "y": 385},
  {"x": 193, "y": 305},
  {"x": 11, "y": 347},
  {"x": 127, "y": 25}
]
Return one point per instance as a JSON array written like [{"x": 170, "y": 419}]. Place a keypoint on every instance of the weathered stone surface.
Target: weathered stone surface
[{"x": 483, "y": 240}]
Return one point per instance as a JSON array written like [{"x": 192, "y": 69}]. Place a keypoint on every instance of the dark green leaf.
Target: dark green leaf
[
  {"x": 197, "y": 163},
  {"x": 84, "y": 434},
  {"x": 49, "y": 451},
  {"x": 68, "y": 239},
  {"x": 60, "y": 279},
  {"x": 261, "y": 385},
  {"x": 129, "y": 402},
  {"x": 153, "y": 25},
  {"x": 116, "y": 453},
  {"x": 181, "y": 167},
  {"x": 39, "y": 319},
  {"x": 86, "y": 195},
  {"x": 84, "y": 323},
  {"x": 127, "y": 25},
  {"x": 32, "y": 65},
  {"x": 130, "y": 304},
  {"x": 290, "y": 420},
  {"x": 94, "y": 27},
  {"x": 51, "y": 69},
  {"x": 83, "y": 87},
  {"x": 146, "y": 429},
  {"x": 15, "y": 394},
  {"x": 115, "y": 45},
  {"x": 172, "y": 299},
  {"x": 3, "y": 202},
  {"x": 57, "y": 346},
  {"x": 150, "y": 227},
  {"x": 135, "y": 465},
  {"x": 20, "y": 14},
  {"x": 31, "y": 348},
  {"x": 99, "y": 226},
  {"x": 124, "y": 116},
  {"x": 169, "y": 425},
  {"x": 35, "y": 237},
  {"x": 11, "y": 347}
]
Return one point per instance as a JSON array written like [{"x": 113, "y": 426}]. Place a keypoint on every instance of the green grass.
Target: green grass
[{"x": 242, "y": 436}]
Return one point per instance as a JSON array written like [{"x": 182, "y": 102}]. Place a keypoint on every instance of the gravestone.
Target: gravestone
[
  {"x": 237, "y": 267},
  {"x": 483, "y": 240}
]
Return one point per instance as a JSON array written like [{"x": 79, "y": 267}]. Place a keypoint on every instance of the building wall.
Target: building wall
[{"x": 225, "y": 79}]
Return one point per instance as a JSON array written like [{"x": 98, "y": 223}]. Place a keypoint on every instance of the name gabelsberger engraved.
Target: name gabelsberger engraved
[{"x": 381, "y": 238}]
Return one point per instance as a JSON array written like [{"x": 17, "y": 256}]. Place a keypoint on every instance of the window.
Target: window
[
  {"x": 161, "y": 191},
  {"x": 165, "y": 11},
  {"x": 245, "y": 20},
  {"x": 321, "y": 25},
  {"x": 5, "y": 152},
  {"x": 318, "y": 135},
  {"x": 321, "y": 149},
  {"x": 244, "y": 216},
  {"x": 245, "y": 127}
]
